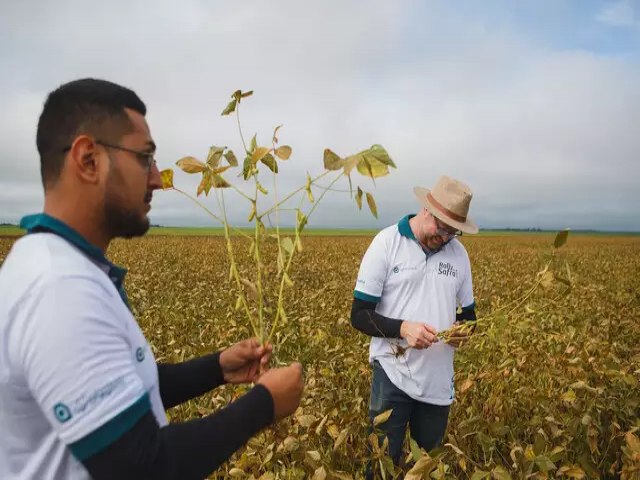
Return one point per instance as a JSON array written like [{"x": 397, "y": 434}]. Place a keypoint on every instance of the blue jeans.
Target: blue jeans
[{"x": 427, "y": 422}]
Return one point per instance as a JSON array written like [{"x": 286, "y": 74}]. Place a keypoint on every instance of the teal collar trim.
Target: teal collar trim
[
  {"x": 405, "y": 228},
  {"x": 41, "y": 222}
]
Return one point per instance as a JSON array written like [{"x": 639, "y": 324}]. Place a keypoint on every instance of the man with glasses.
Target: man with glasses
[
  {"x": 415, "y": 281},
  {"x": 81, "y": 395}
]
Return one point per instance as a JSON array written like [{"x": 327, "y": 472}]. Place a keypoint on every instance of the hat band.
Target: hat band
[{"x": 449, "y": 213}]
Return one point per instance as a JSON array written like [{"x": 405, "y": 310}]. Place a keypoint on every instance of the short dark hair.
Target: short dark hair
[{"x": 87, "y": 106}]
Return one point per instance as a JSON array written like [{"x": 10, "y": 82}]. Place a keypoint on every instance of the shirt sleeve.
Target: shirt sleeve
[
  {"x": 373, "y": 271},
  {"x": 464, "y": 294},
  {"x": 79, "y": 364}
]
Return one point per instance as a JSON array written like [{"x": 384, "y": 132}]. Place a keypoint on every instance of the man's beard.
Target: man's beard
[{"x": 121, "y": 221}]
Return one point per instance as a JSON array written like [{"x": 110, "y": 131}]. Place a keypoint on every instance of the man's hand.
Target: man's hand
[
  {"x": 285, "y": 385},
  {"x": 245, "y": 361},
  {"x": 418, "y": 335},
  {"x": 459, "y": 334}
]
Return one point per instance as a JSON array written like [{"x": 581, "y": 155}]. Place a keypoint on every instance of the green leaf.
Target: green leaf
[
  {"x": 254, "y": 143},
  {"x": 308, "y": 189},
  {"x": 247, "y": 167},
  {"x": 416, "y": 452},
  {"x": 231, "y": 158},
  {"x": 230, "y": 108},
  {"x": 480, "y": 475},
  {"x": 283, "y": 152},
  {"x": 287, "y": 244},
  {"x": 167, "y": 178},
  {"x": 370, "y": 167},
  {"x": 561, "y": 238},
  {"x": 359, "y": 198},
  {"x": 332, "y": 161},
  {"x": 544, "y": 464},
  {"x": 301, "y": 219},
  {"x": 191, "y": 165},
  {"x": 380, "y": 154},
  {"x": 372, "y": 205},
  {"x": 500, "y": 473},
  {"x": 270, "y": 162},
  {"x": 383, "y": 417},
  {"x": 214, "y": 156}
]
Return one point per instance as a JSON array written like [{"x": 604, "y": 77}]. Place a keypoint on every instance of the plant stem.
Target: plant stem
[
  {"x": 290, "y": 259},
  {"x": 258, "y": 265},
  {"x": 234, "y": 267},
  {"x": 240, "y": 128},
  {"x": 209, "y": 212},
  {"x": 276, "y": 205}
]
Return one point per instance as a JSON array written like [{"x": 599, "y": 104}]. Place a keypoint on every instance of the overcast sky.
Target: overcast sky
[{"x": 534, "y": 104}]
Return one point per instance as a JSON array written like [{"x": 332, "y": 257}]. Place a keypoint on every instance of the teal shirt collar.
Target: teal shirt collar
[
  {"x": 404, "y": 228},
  {"x": 41, "y": 222}
]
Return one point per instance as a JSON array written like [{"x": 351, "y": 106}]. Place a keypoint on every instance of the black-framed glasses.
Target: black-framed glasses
[
  {"x": 144, "y": 157},
  {"x": 445, "y": 231}
]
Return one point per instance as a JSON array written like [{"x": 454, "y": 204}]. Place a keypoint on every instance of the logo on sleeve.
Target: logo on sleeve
[
  {"x": 62, "y": 412},
  {"x": 140, "y": 354}
]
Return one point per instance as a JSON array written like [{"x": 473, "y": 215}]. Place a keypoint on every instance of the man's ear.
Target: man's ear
[{"x": 83, "y": 159}]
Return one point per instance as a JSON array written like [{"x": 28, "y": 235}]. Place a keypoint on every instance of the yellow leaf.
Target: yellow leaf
[
  {"x": 283, "y": 152},
  {"x": 341, "y": 438},
  {"x": 319, "y": 474},
  {"x": 383, "y": 417},
  {"x": 236, "y": 472},
  {"x": 259, "y": 153},
  {"x": 350, "y": 163},
  {"x": 290, "y": 444},
  {"x": 205, "y": 184},
  {"x": 167, "y": 178},
  {"x": 359, "y": 198},
  {"x": 219, "y": 182},
  {"x": 313, "y": 455},
  {"x": 213, "y": 158},
  {"x": 191, "y": 165},
  {"x": 332, "y": 161},
  {"x": 571, "y": 471},
  {"x": 422, "y": 468}
]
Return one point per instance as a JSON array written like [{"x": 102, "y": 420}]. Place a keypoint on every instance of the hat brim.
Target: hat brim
[{"x": 468, "y": 226}]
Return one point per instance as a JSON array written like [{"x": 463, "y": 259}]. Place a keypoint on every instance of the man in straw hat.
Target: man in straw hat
[{"x": 412, "y": 279}]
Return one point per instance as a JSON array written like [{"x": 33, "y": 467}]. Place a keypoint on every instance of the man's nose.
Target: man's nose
[{"x": 155, "y": 180}]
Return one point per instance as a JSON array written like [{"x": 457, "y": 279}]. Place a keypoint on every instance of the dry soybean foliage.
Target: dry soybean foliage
[{"x": 551, "y": 391}]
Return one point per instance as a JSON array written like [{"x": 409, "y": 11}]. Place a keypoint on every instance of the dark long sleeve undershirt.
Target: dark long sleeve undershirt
[
  {"x": 189, "y": 450},
  {"x": 184, "y": 381},
  {"x": 365, "y": 319}
]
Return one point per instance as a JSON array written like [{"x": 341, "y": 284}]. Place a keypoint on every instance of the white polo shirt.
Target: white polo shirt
[
  {"x": 76, "y": 372},
  {"x": 409, "y": 283}
]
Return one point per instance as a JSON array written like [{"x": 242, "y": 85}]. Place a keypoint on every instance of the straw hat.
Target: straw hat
[{"x": 449, "y": 202}]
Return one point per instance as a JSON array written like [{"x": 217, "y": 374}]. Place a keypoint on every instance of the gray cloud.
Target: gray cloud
[{"x": 543, "y": 135}]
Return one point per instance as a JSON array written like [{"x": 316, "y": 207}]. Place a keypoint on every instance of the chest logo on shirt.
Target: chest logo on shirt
[
  {"x": 62, "y": 412},
  {"x": 403, "y": 268},
  {"x": 447, "y": 270},
  {"x": 140, "y": 354}
]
